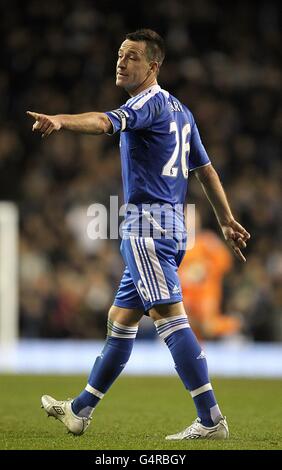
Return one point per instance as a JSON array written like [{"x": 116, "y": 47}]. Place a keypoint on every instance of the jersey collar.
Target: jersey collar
[{"x": 155, "y": 88}]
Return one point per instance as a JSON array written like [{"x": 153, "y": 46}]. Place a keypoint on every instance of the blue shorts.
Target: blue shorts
[{"x": 150, "y": 276}]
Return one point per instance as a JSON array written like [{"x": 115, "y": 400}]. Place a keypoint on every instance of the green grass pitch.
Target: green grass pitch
[{"x": 137, "y": 413}]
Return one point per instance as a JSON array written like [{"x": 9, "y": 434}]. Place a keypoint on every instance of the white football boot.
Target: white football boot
[
  {"x": 198, "y": 431},
  {"x": 62, "y": 411}
]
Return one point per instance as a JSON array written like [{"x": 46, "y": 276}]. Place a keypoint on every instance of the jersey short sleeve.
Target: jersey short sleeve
[
  {"x": 137, "y": 114},
  {"x": 198, "y": 155}
]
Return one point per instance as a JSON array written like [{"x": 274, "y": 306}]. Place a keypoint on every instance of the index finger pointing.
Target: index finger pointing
[{"x": 33, "y": 114}]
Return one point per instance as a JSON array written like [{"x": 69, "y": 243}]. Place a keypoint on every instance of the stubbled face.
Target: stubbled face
[{"x": 133, "y": 67}]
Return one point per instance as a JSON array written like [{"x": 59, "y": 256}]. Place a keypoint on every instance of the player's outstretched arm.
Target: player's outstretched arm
[
  {"x": 89, "y": 123},
  {"x": 235, "y": 235}
]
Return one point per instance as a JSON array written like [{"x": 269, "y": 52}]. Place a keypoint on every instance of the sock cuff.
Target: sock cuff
[
  {"x": 94, "y": 391},
  {"x": 167, "y": 326},
  {"x": 200, "y": 390},
  {"x": 117, "y": 330}
]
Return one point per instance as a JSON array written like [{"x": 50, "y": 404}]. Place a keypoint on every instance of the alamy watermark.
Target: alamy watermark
[{"x": 147, "y": 220}]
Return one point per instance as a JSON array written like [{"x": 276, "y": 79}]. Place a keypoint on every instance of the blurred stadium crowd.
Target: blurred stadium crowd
[{"x": 223, "y": 61}]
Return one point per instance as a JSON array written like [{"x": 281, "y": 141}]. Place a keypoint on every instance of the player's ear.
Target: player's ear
[{"x": 154, "y": 67}]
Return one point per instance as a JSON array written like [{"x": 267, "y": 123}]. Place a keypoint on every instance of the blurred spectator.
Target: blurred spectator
[{"x": 201, "y": 274}]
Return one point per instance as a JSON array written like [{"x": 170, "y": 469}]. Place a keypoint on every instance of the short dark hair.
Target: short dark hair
[{"x": 155, "y": 46}]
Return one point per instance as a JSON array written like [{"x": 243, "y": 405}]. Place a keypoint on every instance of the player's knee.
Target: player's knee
[
  {"x": 124, "y": 316},
  {"x": 113, "y": 314},
  {"x": 166, "y": 310}
]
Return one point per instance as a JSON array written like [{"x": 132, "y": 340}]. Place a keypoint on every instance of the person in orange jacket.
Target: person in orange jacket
[{"x": 201, "y": 273}]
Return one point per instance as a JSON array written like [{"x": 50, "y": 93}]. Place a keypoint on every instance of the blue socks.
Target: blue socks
[
  {"x": 107, "y": 367},
  {"x": 189, "y": 359},
  {"x": 191, "y": 365}
]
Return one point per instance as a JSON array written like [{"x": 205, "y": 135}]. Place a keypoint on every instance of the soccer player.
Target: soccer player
[{"x": 159, "y": 145}]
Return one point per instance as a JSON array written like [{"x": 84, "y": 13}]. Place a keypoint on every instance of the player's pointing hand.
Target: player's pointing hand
[{"x": 44, "y": 123}]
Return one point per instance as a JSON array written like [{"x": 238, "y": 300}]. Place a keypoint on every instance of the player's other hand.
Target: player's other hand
[
  {"x": 44, "y": 123},
  {"x": 236, "y": 237}
]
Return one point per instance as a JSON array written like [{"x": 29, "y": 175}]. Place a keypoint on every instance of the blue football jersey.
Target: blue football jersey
[{"x": 159, "y": 145}]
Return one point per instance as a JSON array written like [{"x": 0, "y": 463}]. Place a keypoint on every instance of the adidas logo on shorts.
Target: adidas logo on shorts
[{"x": 176, "y": 290}]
